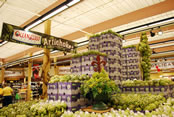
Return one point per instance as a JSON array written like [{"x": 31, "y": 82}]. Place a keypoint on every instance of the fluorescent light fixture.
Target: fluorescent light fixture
[
  {"x": 165, "y": 21},
  {"x": 73, "y": 2},
  {"x": 81, "y": 44},
  {"x": 54, "y": 12},
  {"x": 136, "y": 29},
  {"x": 33, "y": 25},
  {"x": 3, "y": 43},
  {"x": 54, "y": 51}
]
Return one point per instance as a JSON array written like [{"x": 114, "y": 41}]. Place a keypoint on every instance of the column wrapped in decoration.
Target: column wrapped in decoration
[{"x": 145, "y": 53}]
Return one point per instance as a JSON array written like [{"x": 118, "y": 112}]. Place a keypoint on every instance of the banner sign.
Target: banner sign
[
  {"x": 26, "y": 37},
  {"x": 13, "y": 74},
  {"x": 162, "y": 65},
  {"x": 16, "y": 34}
]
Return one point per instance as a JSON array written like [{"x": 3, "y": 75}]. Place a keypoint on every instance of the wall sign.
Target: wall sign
[
  {"x": 18, "y": 35},
  {"x": 163, "y": 65}
]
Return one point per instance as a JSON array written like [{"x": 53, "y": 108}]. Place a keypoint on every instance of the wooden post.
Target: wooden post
[
  {"x": 46, "y": 62},
  {"x": 55, "y": 66},
  {"x": 29, "y": 78},
  {"x": 2, "y": 72}
]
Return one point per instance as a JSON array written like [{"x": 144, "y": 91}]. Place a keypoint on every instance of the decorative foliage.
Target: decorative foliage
[
  {"x": 137, "y": 102},
  {"x": 89, "y": 53},
  {"x": 145, "y": 52},
  {"x": 132, "y": 83},
  {"x": 109, "y": 31},
  {"x": 69, "y": 78},
  {"x": 164, "y": 110},
  {"x": 99, "y": 85},
  {"x": 130, "y": 46}
]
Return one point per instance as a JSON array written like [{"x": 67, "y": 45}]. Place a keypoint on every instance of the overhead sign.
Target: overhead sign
[
  {"x": 163, "y": 65},
  {"x": 13, "y": 73},
  {"x": 26, "y": 37},
  {"x": 18, "y": 35}
]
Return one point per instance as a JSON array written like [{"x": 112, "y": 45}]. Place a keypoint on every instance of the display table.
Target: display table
[{"x": 89, "y": 109}]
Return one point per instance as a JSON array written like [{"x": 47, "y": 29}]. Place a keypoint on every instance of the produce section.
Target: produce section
[{"x": 113, "y": 83}]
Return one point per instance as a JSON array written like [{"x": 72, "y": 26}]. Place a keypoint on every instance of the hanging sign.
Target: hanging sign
[
  {"x": 13, "y": 73},
  {"x": 18, "y": 35}
]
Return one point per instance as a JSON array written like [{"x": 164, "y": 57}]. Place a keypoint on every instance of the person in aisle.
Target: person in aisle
[{"x": 7, "y": 95}]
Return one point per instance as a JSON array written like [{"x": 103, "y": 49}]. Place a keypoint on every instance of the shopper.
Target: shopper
[{"x": 7, "y": 95}]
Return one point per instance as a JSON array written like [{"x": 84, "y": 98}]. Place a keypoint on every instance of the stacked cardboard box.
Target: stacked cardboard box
[
  {"x": 69, "y": 92},
  {"x": 52, "y": 91},
  {"x": 82, "y": 65},
  {"x": 76, "y": 66},
  {"x": 131, "y": 64},
  {"x": 111, "y": 45}
]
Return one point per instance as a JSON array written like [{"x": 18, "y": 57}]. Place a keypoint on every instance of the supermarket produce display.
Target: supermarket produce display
[
  {"x": 99, "y": 88},
  {"x": 131, "y": 63},
  {"x": 34, "y": 109},
  {"x": 137, "y": 102},
  {"x": 109, "y": 43},
  {"x": 135, "y": 95}
]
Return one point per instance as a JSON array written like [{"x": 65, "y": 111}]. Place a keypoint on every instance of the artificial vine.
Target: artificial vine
[{"x": 145, "y": 53}]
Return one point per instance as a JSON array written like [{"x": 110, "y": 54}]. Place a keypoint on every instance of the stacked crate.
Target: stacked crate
[
  {"x": 124, "y": 65},
  {"x": 69, "y": 92},
  {"x": 131, "y": 63},
  {"x": 82, "y": 65},
  {"x": 94, "y": 43},
  {"x": 111, "y": 45},
  {"x": 76, "y": 66},
  {"x": 87, "y": 68},
  {"x": 52, "y": 91}
]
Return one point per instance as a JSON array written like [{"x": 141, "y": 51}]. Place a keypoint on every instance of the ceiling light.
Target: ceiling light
[
  {"x": 153, "y": 51},
  {"x": 160, "y": 32},
  {"x": 152, "y": 34},
  {"x": 54, "y": 12},
  {"x": 33, "y": 25},
  {"x": 73, "y": 2}
]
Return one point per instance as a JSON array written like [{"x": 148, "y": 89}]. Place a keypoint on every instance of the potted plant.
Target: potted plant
[{"x": 99, "y": 88}]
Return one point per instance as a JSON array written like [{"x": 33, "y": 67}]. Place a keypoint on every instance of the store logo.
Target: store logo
[{"x": 26, "y": 37}]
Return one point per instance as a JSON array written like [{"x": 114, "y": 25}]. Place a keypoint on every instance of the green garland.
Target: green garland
[
  {"x": 130, "y": 46},
  {"x": 145, "y": 52},
  {"x": 109, "y": 31},
  {"x": 92, "y": 52}
]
